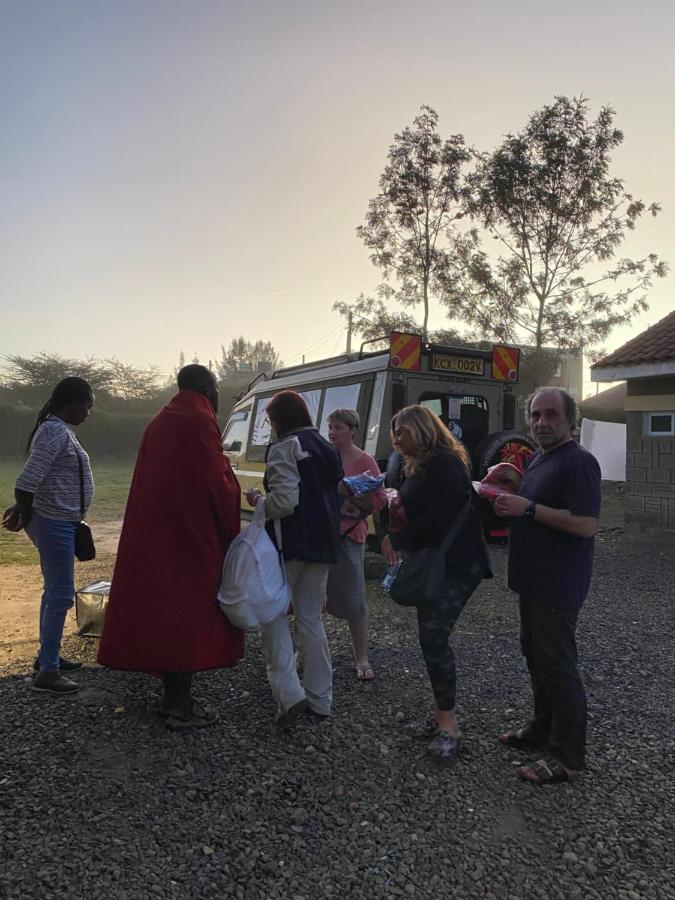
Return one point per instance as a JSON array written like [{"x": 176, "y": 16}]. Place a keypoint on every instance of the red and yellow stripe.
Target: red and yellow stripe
[
  {"x": 505, "y": 363},
  {"x": 405, "y": 350}
]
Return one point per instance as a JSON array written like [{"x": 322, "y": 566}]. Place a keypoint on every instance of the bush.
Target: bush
[
  {"x": 106, "y": 434},
  {"x": 103, "y": 435}
]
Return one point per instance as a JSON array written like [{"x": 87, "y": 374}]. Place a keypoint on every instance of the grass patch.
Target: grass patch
[{"x": 112, "y": 488}]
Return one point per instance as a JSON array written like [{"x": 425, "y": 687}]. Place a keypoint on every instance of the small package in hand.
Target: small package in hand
[
  {"x": 363, "y": 483},
  {"x": 503, "y": 478}
]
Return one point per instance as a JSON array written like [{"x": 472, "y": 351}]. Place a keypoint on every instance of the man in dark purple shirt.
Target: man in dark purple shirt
[{"x": 553, "y": 522}]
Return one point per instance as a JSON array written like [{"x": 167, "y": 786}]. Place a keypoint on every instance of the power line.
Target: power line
[
  {"x": 339, "y": 338},
  {"x": 317, "y": 343}
]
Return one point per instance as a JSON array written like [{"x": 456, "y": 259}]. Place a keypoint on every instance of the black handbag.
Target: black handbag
[
  {"x": 84, "y": 540},
  {"x": 418, "y": 578}
]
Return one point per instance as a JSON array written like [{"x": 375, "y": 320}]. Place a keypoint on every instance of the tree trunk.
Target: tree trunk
[{"x": 425, "y": 326}]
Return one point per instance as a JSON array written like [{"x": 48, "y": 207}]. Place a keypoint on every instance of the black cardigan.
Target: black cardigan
[{"x": 432, "y": 498}]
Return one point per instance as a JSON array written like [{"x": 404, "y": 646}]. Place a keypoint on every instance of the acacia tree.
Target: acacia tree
[
  {"x": 409, "y": 224},
  {"x": 30, "y": 377},
  {"x": 131, "y": 383},
  {"x": 243, "y": 354},
  {"x": 547, "y": 197},
  {"x": 44, "y": 370}
]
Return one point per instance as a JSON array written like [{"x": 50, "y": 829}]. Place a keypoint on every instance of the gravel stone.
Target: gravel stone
[{"x": 98, "y": 800}]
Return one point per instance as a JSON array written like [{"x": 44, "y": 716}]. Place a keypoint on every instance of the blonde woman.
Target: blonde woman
[{"x": 436, "y": 487}]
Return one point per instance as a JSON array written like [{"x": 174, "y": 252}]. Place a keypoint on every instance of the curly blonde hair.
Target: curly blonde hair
[{"x": 428, "y": 433}]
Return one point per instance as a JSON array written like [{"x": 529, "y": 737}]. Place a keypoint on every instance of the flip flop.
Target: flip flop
[
  {"x": 198, "y": 717},
  {"x": 364, "y": 673}
]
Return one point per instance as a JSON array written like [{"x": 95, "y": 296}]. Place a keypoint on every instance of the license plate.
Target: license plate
[{"x": 468, "y": 365}]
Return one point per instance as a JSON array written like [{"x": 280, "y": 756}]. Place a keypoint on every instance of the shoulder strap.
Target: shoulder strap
[
  {"x": 449, "y": 539},
  {"x": 79, "y": 462},
  {"x": 81, "y": 467},
  {"x": 352, "y": 527},
  {"x": 260, "y": 519}
]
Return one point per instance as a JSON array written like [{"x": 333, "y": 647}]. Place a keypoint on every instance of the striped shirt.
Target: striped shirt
[{"x": 52, "y": 472}]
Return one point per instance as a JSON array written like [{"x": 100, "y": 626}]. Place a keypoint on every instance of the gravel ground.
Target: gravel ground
[{"x": 97, "y": 800}]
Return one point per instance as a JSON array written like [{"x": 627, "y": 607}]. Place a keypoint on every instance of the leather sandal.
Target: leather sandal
[
  {"x": 198, "y": 717},
  {"x": 545, "y": 771}
]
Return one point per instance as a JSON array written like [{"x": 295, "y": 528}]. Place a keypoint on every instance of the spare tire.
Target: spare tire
[{"x": 502, "y": 446}]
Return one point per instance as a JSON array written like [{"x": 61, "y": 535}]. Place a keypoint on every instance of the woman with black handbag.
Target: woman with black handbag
[
  {"x": 53, "y": 491},
  {"x": 435, "y": 493}
]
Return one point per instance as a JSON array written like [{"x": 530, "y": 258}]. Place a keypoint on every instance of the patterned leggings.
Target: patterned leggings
[{"x": 435, "y": 624}]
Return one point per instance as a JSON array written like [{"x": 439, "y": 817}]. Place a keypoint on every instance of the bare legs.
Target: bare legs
[{"x": 359, "y": 631}]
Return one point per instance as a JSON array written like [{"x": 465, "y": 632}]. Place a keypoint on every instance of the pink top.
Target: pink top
[{"x": 363, "y": 463}]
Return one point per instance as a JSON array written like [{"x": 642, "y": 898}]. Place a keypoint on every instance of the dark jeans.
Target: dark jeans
[
  {"x": 548, "y": 642},
  {"x": 435, "y": 624}
]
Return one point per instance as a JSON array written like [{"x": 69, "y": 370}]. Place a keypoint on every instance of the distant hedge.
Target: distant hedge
[{"x": 104, "y": 434}]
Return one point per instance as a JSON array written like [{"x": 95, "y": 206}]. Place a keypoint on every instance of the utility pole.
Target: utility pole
[{"x": 349, "y": 333}]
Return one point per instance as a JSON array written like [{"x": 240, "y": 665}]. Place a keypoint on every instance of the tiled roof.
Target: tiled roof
[
  {"x": 611, "y": 398},
  {"x": 656, "y": 344}
]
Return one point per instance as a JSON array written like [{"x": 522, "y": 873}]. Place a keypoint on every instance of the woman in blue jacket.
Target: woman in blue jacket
[{"x": 301, "y": 480}]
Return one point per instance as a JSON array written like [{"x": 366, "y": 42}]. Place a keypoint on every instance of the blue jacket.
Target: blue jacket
[{"x": 301, "y": 480}]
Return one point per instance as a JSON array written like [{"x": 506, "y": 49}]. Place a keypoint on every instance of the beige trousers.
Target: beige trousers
[{"x": 307, "y": 582}]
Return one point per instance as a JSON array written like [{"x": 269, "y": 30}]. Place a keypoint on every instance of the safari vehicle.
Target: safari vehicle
[{"x": 470, "y": 389}]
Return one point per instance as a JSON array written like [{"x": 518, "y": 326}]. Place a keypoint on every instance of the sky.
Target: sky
[{"x": 175, "y": 174}]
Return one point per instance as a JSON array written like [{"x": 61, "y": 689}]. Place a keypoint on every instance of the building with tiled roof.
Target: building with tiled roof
[
  {"x": 647, "y": 364},
  {"x": 611, "y": 398},
  {"x": 653, "y": 349}
]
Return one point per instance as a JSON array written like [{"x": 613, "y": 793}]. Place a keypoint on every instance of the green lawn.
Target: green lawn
[{"x": 112, "y": 486}]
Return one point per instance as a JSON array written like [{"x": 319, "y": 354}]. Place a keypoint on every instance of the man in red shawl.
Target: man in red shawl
[{"x": 182, "y": 513}]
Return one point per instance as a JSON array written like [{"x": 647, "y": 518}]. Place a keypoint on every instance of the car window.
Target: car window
[
  {"x": 234, "y": 436},
  {"x": 343, "y": 396},
  {"x": 373, "y": 427}
]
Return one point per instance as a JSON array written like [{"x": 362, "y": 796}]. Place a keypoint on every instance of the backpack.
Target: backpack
[{"x": 253, "y": 587}]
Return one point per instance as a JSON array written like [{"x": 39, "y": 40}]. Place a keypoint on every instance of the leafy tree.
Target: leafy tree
[
  {"x": 130, "y": 383},
  {"x": 245, "y": 355},
  {"x": 410, "y": 223},
  {"x": 372, "y": 320},
  {"x": 547, "y": 197},
  {"x": 44, "y": 370}
]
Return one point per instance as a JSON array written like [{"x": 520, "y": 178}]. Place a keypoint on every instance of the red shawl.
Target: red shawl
[{"x": 182, "y": 513}]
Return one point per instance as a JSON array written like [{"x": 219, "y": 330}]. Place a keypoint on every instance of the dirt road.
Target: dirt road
[{"x": 21, "y": 586}]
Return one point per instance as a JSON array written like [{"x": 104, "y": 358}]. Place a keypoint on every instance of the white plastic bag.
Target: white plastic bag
[{"x": 253, "y": 587}]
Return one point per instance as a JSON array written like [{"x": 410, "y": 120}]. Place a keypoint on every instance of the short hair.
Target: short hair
[
  {"x": 288, "y": 411},
  {"x": 429, "y": 433},
  {"x": 348, "y": 417},
  {"x": 570, "y": 407},
  {"x": 195, "y": 378}
]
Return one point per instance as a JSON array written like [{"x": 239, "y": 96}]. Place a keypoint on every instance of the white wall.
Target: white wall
[{"x": 607, "y": 442}]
